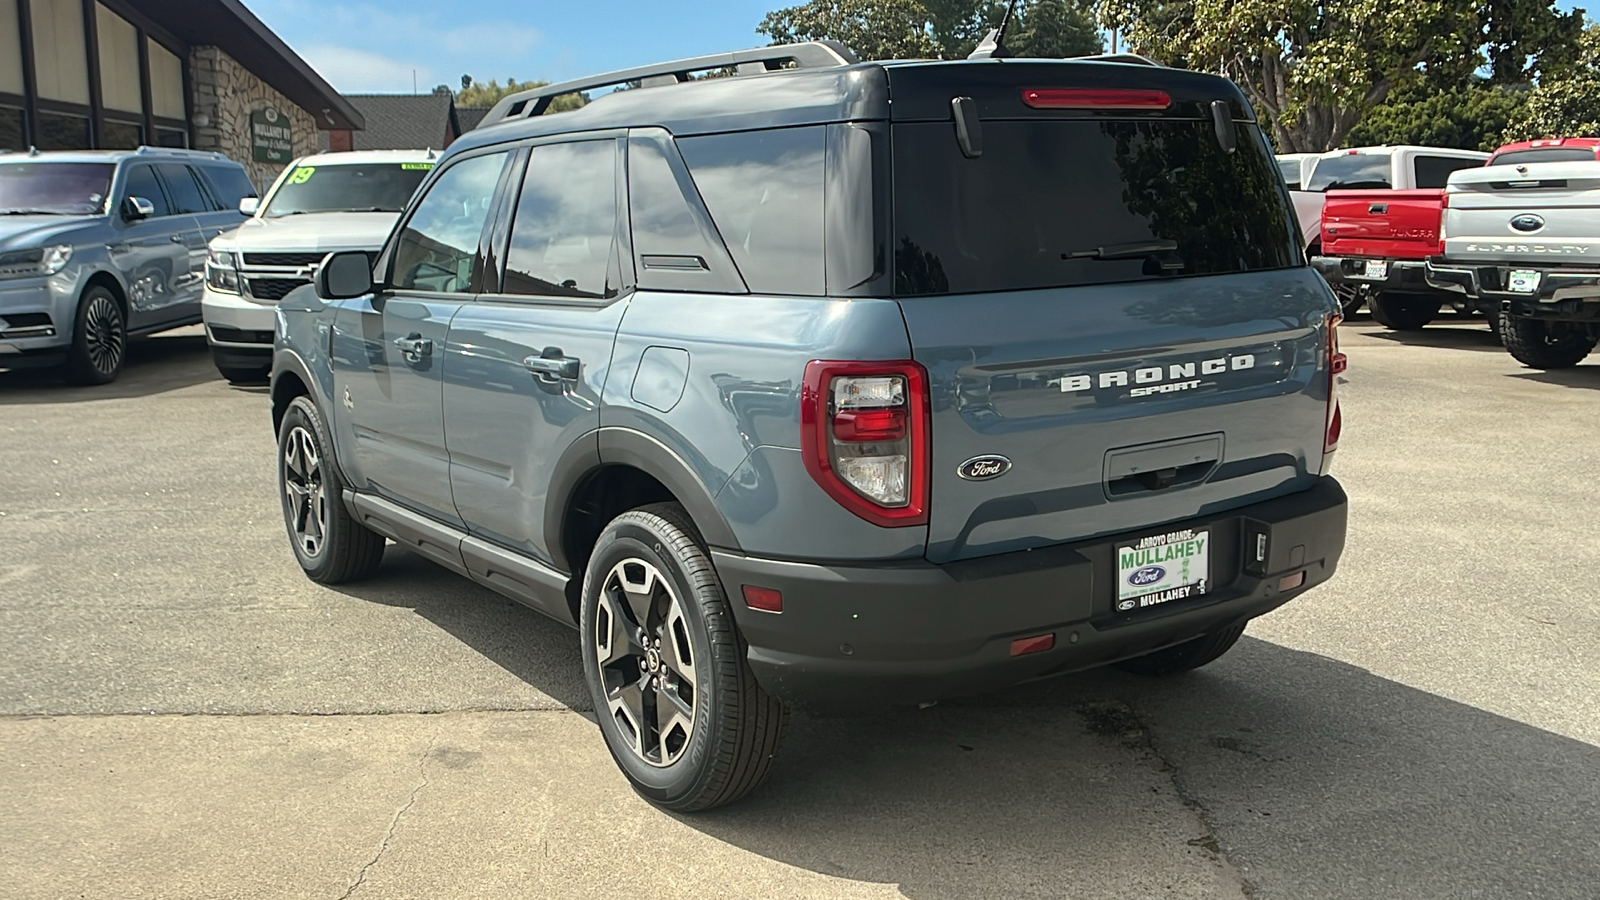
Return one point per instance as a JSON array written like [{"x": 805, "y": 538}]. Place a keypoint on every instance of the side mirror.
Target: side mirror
[
  {"x": 345, "y": 275},
  {"x": 137, "y": 209},
  {"x": 249, "y": 205}
]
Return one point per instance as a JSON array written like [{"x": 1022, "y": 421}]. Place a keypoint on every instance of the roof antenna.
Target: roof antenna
[{"x": 992, "y": 46}]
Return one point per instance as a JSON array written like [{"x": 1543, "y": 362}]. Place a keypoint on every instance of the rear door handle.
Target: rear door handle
[
  {"x": 552, "y": 366},
  {"x": 414, "y": 346}
]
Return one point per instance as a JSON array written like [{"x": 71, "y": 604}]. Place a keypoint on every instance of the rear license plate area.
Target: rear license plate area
[{"x": 1162, "y": 569}]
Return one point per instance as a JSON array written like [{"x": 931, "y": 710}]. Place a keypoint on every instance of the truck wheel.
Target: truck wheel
[
  {"x": 330, "y": 545},
  {"x": 1546, "y": 345},
  {"x": 678, "y": 706},
  {"x": 99, "y": 339},
  {"x": 1350, "y": 299},
  {"x": 1186, "y": 656},
  {"x": 1402, "y": 312},
  {"x": 1496, "y": 322}
]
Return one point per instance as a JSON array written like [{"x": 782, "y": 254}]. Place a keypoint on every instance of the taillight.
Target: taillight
[
  {"x": 1337, "y": 363},
  {"x": 1095, "y": 98},
  {"x": 864, "y": 436}
]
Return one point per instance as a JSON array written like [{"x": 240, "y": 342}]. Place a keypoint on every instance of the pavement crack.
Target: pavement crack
[{"x": 394, "y": 823}]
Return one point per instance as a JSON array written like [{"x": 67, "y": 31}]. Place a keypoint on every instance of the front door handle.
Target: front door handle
[
  {"x": 414, "y": 346},
  {"x": 552, "y": 366}
]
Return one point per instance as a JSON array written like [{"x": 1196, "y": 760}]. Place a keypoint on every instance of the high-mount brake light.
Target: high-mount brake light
[
  {"x": 864, "y": 436},
  {"x": 1095, "y": 98}
]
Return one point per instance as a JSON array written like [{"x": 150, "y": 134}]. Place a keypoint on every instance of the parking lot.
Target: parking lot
[{"x": 186, "y": 715}]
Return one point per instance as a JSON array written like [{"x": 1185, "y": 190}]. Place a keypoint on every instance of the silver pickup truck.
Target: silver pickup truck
[{"x": 1528, "y": 237}]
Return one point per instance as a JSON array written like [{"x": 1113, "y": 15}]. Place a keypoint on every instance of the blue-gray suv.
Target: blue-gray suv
[
  {"x": 784, "y": 394},
  {"x": 103, "y": 245}
]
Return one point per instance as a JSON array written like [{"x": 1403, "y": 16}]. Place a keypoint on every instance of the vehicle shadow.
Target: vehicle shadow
[
  {"x": 155, "y": 365},
  {"x": 1576, "y": 377},
  {"x": 1321, "y": 779},
  {"x": 1464, "y": 335}
]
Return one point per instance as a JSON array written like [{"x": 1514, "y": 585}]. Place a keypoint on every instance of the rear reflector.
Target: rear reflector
[
  {"x": 763, "y": 598},
  {"x": 1095, "y": 98},
  {"x": 1036, "y": 644},
  {"x": 1290, "y": 582}
]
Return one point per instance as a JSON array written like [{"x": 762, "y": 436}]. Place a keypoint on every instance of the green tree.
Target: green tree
[
  {"x": 1470, "y": 117},
  {"x": 475, "y": 94},
  {"x": 1566, "y": 103},
  {"x": 937, "y": 29},
  {"x": 1315, "y": 68}
]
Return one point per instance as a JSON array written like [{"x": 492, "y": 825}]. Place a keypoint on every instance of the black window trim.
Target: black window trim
[
  {"x": 383, "y": 268},
  {"x": 667, "y": 142}
]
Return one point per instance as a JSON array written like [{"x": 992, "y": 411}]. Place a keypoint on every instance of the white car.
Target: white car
[{"x": 319, "y": 205}]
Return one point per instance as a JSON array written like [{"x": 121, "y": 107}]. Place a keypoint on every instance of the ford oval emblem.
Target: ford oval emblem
[
  {"x": 1527, "y": 222},
  {"x": 1146, "y": 575},
  {"x": 983, "y": 468}
]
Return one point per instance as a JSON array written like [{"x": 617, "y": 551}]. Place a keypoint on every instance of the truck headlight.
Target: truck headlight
[
  {"x": 54, "y": 259},
  {"x": 222, "y": 273},
  {"x": 33, "y": 263}
]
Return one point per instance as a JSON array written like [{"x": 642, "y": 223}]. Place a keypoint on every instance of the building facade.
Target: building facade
[{"x": 115, "y": 74}]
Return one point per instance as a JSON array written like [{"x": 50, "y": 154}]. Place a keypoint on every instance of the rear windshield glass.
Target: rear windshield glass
[
  {"x": 49, "y": 188},
  {"x": 1544, "y": 155},
  {"x": 1353, "y": 171},
  {"x": 364, "y": 187},
  {"x": 1063, "y": 203}
]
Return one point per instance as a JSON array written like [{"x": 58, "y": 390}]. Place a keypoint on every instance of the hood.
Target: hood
[
  {"x": 324, "y": 232},
  {"x": 27, "y": 232}
]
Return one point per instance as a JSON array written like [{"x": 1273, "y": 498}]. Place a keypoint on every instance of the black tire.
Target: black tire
[
  {"x": 1186, "y": 656},
  {"x": 735, "y": 727},
  {"x": 99, "y": 338},
  {"x": 252, "y": 375},
  {"x": 1543, "y": 344},
  {"x": 1402, "y": 312},
  {"x": 1496, "y": 323},
  {"x": 1350, "y": 299},
  {"x": 342, "y": 549}
]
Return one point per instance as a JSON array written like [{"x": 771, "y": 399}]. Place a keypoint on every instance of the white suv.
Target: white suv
[{"x": 319, "y": 205}]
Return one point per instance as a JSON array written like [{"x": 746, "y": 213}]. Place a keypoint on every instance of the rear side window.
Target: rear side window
[
  {"x": 1544, "y": 155},
  {"x": 187, "y": 196},
  {"x": 1066, "y": 203},
  {"x": 1434, "y": 171},
  {"x": 764, "y": 190},
  {"x": 229, "y": 185},
  {"x": 565, "y": 227},
  {"x": 1353, "y": 171}
]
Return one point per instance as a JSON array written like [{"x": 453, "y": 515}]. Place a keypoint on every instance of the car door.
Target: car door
[
  {"x": 189, "y": 199},
  {"x": 388, "y": 347},
  {"x": 527, "y": 359},
  {"x": 153, "y": 254}
]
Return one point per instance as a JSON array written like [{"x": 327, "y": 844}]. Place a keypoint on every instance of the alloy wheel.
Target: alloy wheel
[
  {"x": 303, "y": 486},
  {"x": 647, "y": 664},
  {"x": 102, "y": 334}
]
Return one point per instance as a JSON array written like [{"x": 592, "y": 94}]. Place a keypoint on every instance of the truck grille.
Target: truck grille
[
  {"x": 273, "y": 288},
  {"x": 283, "y": 259}
]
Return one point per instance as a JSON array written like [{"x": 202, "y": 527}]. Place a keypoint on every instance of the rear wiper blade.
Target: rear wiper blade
[{"x": 1129, "y": 250}]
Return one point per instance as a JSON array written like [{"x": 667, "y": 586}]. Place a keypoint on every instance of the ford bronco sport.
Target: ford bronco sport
[{"x": 787, "y": 395}]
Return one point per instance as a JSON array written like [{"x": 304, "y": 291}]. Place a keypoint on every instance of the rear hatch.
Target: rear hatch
[
  {"x": 1543, "y": 213},
  {"x": 1111, "y": 298},
  {"x": 1382, "y": 224}
]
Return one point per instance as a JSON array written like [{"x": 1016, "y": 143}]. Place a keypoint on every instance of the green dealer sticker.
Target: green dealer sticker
[{"x": 423, "y": 166}]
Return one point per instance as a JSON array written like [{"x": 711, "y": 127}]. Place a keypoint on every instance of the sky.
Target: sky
[{"x": 375, "y": 46}]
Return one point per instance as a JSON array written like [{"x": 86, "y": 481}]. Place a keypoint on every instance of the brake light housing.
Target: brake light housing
[
  {"x": 1095, "y": 98},
  {"x": 1337, "y": 364},
  {"x": 864, "y": 433}
]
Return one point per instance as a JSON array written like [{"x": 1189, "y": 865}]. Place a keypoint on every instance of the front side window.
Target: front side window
[
  {"x": 186, "y": 195},
  {"x": 52, "y": 188},
  {"x": 359, "y": 187},
  {"x": 141, "y": 182},
  {"x": 436, "y": 249},
  {"x": 566, "y": 222}
]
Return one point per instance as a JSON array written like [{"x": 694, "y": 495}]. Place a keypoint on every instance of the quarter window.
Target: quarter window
[
  {"x": 436, "y": 249},
  {"x": 1434, "y": 171},
  {"x": 566, "y": 222}
]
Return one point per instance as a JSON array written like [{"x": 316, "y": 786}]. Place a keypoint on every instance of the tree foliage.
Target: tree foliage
[
  {"x": 937, "y": 29},
  {"x": 477, "y": 94},
  {"x": 1474, "y": 116},
  {"x": 1566, "y": 103},
  {"x": 1315, "y": 68}
]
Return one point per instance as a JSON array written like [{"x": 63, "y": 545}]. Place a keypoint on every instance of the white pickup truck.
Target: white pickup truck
[
  {"x": 1374, "y": 168},
  {"x": 1528, "y": 237}
]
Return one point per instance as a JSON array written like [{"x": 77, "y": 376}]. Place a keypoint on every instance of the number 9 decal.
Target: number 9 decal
[{"x": 302, "y": 175}]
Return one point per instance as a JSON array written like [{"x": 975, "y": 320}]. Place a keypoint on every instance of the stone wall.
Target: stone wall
[{"x": 226, "y": 93}]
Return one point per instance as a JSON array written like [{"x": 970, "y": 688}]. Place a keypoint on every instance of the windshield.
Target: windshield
[
  {"x": 1544, "y": 155},
  {"x": 1353, "y": 171},
  {"x": 54, "y": 188},
  {"x": 1063, "y": 203},
  {"x": 360, "y": 187}
]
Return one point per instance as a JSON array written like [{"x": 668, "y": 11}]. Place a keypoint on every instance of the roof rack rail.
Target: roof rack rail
[
  {"x": 1130, "y": 58},
  {"x": 809, "y": 55}
]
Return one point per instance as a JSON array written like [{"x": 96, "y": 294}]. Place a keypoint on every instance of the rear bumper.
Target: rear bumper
[
  {"x": 855, "y": 636},
  {"x": 1562, "y": 293},
  {"x": 1407, "y": 275}
]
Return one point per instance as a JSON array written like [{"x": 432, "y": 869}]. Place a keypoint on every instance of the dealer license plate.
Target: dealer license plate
[
  {"x": 1162, "y": 568},
  {"x": 1376, "y": 268},
  {"x": 1522, "y": 281}
]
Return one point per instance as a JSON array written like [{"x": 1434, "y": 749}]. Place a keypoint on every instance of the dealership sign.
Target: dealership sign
[{"x": 270, "y": 138}]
